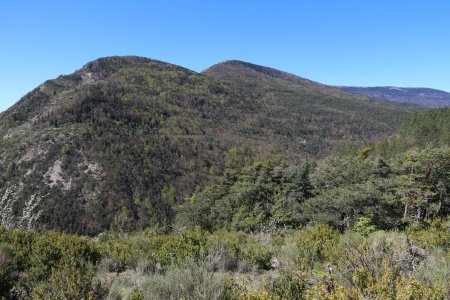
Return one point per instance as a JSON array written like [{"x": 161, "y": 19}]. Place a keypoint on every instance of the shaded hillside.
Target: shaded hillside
[
  {"x": 421, "y": 96},
  {"x": 127, "y": 138}
]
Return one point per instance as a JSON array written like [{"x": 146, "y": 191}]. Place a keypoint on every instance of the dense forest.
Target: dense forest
[{"x": 369, "y": 225}]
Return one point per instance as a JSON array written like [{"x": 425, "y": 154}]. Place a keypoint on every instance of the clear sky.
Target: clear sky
[{"x": 359, "y": 42}]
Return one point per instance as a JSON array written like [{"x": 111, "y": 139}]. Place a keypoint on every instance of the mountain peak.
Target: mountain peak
[
  {"x": 117, "y": 60},
  {"x": 232, "y": 68},
  {"x": 110, "y": 64}
]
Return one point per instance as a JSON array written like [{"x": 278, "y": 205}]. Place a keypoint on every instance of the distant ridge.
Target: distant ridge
[{"x": 425, "y": 97}]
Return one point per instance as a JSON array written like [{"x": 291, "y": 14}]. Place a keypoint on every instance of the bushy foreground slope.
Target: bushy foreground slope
[{"x": 310, "y": 263}]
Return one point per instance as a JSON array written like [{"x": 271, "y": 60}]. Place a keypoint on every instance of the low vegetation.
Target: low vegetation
[{"x": 316, "y": 261}]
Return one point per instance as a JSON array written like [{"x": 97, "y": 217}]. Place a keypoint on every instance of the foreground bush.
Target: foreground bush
[{"x": 309, "y": 263}]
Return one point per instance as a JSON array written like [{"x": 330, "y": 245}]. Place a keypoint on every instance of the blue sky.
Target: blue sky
[{"x": 360, "y": 42}]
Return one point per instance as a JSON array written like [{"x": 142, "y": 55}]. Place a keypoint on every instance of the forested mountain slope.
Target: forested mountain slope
[
  {"x": 134, "y": 136},
  {"x": 317, "y": 115}
]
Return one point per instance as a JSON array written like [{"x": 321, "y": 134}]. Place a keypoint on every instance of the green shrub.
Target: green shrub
[
  {"x": 191, "y": 282},
  {"x": 315, "y": 244},
  {"x": 288, "y": 285},
  {"x": 259, "y": 256},
  {"x": 6, "y": 267},
  {"x": 364, "y": 226},
  {"x": 67, "y": 281},
  {"x": 435, "y": 234}
]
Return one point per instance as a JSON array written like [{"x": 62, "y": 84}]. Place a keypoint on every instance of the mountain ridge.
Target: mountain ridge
[{"x": 425, "y": 97}]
